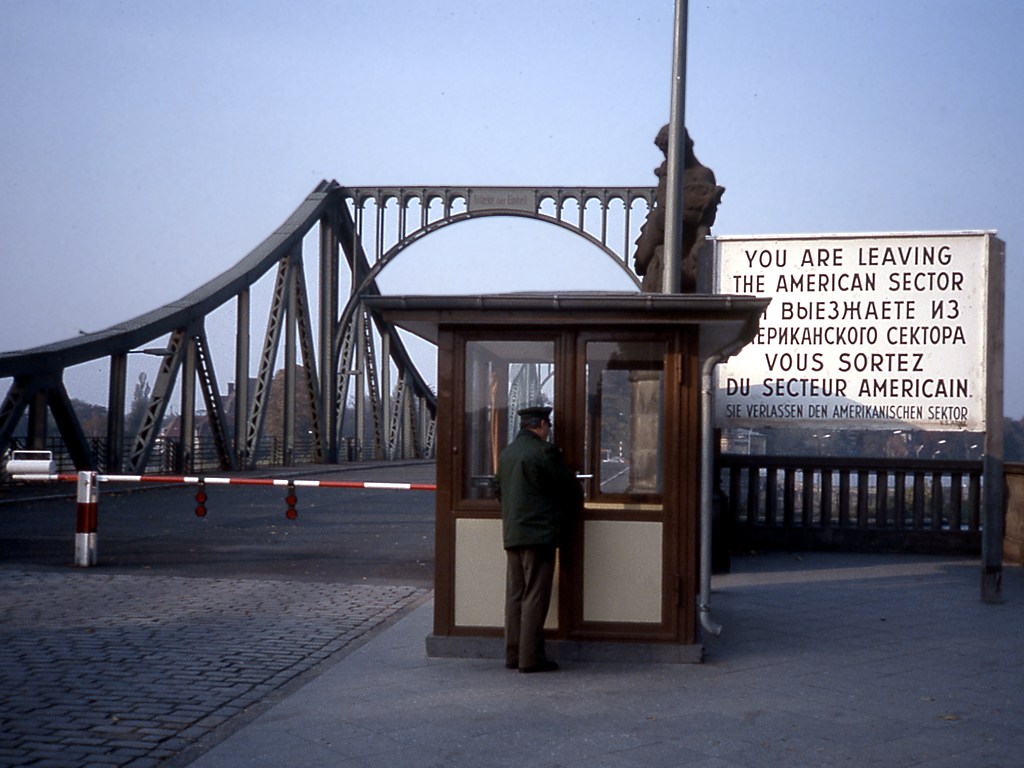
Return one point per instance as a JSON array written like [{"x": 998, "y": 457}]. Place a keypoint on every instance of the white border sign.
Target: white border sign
[{"x": 866, "y": 331}]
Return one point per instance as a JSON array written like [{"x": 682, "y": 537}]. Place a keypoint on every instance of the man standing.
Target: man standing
[{"x": 538, "y": 494}]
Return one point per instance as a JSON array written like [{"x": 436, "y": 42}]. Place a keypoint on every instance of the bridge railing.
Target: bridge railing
[{"x": 849, "y": 503}]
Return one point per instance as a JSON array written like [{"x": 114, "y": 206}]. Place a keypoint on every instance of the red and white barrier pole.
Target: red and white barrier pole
[
  {"x": 199, "y": 480},
  {"x": 87, "y": 519},
  {"x": 88, "y": 496}
]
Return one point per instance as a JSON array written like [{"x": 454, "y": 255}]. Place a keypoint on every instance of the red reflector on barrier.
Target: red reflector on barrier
[{"x": 291, "y": 499}]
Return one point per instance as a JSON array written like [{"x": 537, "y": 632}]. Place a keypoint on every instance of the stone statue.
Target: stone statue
[{"x": 701, "y": 196}]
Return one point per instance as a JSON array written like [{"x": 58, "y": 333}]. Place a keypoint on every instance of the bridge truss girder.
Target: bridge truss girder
[{"x": 349, "y": 396}]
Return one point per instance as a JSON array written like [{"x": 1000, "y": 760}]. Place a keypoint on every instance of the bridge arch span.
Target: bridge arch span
[
  {"x": 398, "y": 248},
  {"x": 436, "y": 226},
  {"x": 595, "y": 209}
]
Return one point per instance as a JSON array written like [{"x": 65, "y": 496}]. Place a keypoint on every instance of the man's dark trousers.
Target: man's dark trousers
[{"x": 529, "y": 575}]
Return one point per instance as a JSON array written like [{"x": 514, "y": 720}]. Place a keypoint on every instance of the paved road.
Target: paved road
[
  {"x": 190, "y": 627},
  {"x": 353, "y": 535}
]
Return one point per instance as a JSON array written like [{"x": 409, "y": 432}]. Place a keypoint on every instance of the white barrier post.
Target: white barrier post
[{"x": 87, "y": 519}]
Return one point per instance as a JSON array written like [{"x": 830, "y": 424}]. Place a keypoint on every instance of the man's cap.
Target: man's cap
[{"x": 535, "y": 412}]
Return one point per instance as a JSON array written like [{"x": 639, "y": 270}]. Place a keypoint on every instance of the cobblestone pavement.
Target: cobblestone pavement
[{"x": 133, "y": 670}]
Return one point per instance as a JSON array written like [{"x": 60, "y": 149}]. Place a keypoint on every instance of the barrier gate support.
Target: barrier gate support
[
  {"x": 87, "y": 519},
  {"x": 87, "y": 511}
]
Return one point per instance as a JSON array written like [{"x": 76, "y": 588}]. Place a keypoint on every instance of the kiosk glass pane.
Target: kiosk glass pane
[
  {"x": 625, "y": 416},
  {"x": 502, "y": 376}
]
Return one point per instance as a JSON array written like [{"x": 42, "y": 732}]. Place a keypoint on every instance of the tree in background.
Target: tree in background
[
  {"x": 140, "y": 402},
  {"x": 1013, "y": 440}
]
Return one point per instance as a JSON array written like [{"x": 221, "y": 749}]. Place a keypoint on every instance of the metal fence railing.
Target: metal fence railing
[{"x": 850, "y": 503}]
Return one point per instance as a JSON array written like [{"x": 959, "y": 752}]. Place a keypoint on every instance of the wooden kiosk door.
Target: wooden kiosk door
[
  {"x": 633, "y": 565},
  {"x": 494, "y": 375}
]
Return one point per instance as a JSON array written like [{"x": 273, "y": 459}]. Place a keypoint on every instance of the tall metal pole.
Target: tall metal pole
[{"x": 673, "y": 203}]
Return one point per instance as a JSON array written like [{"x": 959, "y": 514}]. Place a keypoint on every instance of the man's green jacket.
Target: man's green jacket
[{"x": 539, "y": 493}]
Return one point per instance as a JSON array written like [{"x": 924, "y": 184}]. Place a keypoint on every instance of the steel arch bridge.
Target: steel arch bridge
[{"x": 347, "y": 359}]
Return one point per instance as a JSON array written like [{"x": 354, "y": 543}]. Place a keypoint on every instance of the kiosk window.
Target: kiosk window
[
  {"x": 501, "y": 378},
  {"x": 625, "y": 415}
]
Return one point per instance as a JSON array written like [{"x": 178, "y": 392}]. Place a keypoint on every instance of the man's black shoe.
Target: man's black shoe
[{"x": 544, "y": 666}]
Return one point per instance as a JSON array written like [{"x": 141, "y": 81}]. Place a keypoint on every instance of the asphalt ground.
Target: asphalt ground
[
  {"x": 339, "y": 534},
  {"x": 825, "y": 660}
]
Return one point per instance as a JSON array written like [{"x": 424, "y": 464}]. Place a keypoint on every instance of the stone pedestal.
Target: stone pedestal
[{"x": 1013, "y": 537}]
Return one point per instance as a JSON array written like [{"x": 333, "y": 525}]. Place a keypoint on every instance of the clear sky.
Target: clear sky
[{"x": 147, "y": 146}]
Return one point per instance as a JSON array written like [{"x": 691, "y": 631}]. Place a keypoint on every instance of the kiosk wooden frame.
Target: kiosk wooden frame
[{"x": 627, "y": 581}]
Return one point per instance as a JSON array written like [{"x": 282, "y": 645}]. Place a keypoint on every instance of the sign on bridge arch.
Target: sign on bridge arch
[{"x": 865, "y": 331}]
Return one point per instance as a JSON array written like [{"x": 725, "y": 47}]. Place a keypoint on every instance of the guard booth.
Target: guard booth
[{"x": 623, "y": 374}]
